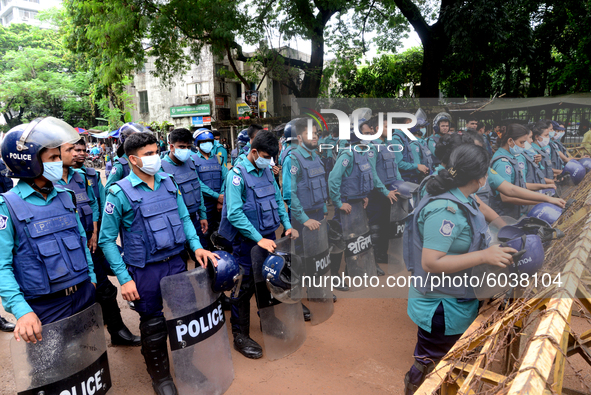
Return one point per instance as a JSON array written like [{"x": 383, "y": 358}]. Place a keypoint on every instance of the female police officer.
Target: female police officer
[{"x": 447, "y": 234}]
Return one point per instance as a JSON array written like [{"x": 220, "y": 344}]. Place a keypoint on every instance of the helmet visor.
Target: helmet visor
[{"x": 50, "y": 133}]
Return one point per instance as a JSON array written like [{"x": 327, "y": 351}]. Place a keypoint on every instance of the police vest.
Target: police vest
[
  {"x": 125, "y": 166},
  {"x": 546, "y": 162},
  {"x": 94, "y": 177},
  {"x": 407, "y": 175},
  {"x": 284, "y": 153},
  {"x": 260, "y": 206},
  {"x": 435, "y": 139},
  {"x": 426, "y": 156},
  {"x": 360, "y": 183},
  {"x": 156, "y": 232},
  {"x": 535, "y": 175},
  {"x": 311, "y": 188},
  {"x": 188, "y": 182},
  {"x": 386, "y": 165},
  {"x": 210, "y": 172},
  {"x": 561, "y": 147},
  {"x": 557, "y": 163},
  {"x": 77, "y": 184},
  {"x": 496, "y": 202},
  {"x": 50, "y": 256},
  {"x": 5, "y": 182},
  {"x": 413, "y": 246}
]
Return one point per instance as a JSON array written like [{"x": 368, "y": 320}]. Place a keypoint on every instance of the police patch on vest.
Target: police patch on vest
[
  {"x": 293, "y": 170},
  {"x": 371, "y": 154},
  {"x": 236, "y": 180},
  {"x": 508, "y": 169},
  {"x": 109, "y": 207},
  {"x": 195, "y": 327},
  {"x": 521, "y": 165},
  {"x": 345, "y": 162},
  {"x": 3, "y": 221},
  {"x": 446, "y": 227},
  {"x": 417, "y": 149},
  {"x": 358, "y": 245}
]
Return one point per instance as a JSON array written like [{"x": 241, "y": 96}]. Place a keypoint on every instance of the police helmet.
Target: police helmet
[
  {"x": 226, "y": 274},
  {"x": 537, "y": 226},
  {"x": 406, "y": 189},
  {"x": 289, "y": 131},
  {"x": 202, "y": 135},
  {"x": 421, "y": 118},
  {"x": 335, "y": 236},
  {"x": 546, "y": 211},
  {"x": 22, "y": 145},
  {"x": 243, "y": 136},
  {"x": 442, "y": 116},
  {"x": 586, "y": 163},
  {"x": 281, "y": 278},
  {"x": 126, "y": 130},
  {"x": 220, "y": 243},
  {"x": 530, "y": 256},
  {"x": 576, "y": 171}
]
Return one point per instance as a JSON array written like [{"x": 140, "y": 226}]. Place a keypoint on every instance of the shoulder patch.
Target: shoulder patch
[
  {"x": 504, "y": 160},
  {"x": 236, "y": 180},
  {"x": 3, "y": 222},
  {"x": 508, "y": 169},
  {"x": 113, "y": 170},
  {"x": 521, "y": 165},
  {"x": 451, "y": 209},
  {"x": 493, "y": 171},
  {"x": 446, "y": 228},
  {"x": 345, "y": 162},
  {"x": 371, "y": 153},
  {"x": 293, "y": 170},
  {"x": 235, "y": 170},
  {"x": 109, "y": 208}
]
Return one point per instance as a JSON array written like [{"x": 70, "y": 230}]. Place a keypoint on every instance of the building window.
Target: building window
[
  {"x": 238, "y": 90},
  {"x": 221, "y": 70},
  {"x": 199, "y": 88},
  {"x": 9, "y": 17},
  {"x": 28, "y": 14},
  {"x": 144, "y": 109}
]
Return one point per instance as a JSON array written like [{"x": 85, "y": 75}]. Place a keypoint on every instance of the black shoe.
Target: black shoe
[
  {"x": 306, "y": 313},
  {"x": 124, "y": 337},
  {"x": 226, "y": 303},
  {"x": 334, "y": 298},
  {"x": 344, "y": 288},
  {"x": 165, "y": 386},
  {"x": 6, "y": 326},
  {"x": 380, "y": 271},
  {"x": 382, "y": 258},
  {"x": 247, "y": 347}
]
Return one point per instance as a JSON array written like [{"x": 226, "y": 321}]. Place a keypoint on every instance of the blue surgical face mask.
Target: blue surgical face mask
[
  {"x": 262, "y": 163},
  {"x": 559, "y": 136},
  {"x": 182, "y": 154},
  {"x": 423, "y": 132},
  {"x": 151, "y": 164},
  {"x": 528, "y": 148},
  {"x": 516, "y": 150},
  {"x": 552, "y": 134},
  {"x": 206, "y": 147},
  {"x": 53, "y": 171},
  {"x": 480, "y": 189}
]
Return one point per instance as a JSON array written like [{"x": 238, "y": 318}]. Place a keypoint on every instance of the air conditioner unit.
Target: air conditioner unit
[{"x": 192, "y": 100}]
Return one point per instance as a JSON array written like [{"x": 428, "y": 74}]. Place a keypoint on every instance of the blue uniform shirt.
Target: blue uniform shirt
[
  {"x": 236, "y": 196},
  {"x": 12, "y": 298},
  {"x": 116, "y": 172},
  {"x": 504, "y": 169},
  {"x": 122, "y": 213},
  {"x": 202, "y": 211},
  {"x": 458, "y": 316},
  {"x": 94, "y": 205},
  {"x": 219, "y": 151}
]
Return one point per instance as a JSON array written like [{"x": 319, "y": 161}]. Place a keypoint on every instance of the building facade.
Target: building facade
[{"x": 24, "y": 11}]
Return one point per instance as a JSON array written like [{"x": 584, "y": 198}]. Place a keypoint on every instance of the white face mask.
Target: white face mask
[
  {"x": 545, "y": 141},
  {"x": 151, "y": 164}
]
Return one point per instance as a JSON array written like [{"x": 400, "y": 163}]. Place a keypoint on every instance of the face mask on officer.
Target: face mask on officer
[
  {"x": 53, "y": 171},
  {"x": 515, "y": 149},
  {"x": 481, "y": 187},
  {"x": 181, "y": 154},
  {"x": 260, "y": 162},
  {"x": 150, "y": 164},
  {"x": 206, "y": 147}
]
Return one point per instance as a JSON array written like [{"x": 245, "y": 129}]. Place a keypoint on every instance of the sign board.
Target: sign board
[
  {"x": 200, "y": 121},
  {"x": 189, "y": 111},
  {"x": 219, "y": 101},
  {"x": 242, "y": 108}
]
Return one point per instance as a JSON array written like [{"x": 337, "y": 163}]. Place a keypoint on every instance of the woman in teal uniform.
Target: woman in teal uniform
[
  {"x": 541, "y": 145},
  {"x": 447, "y": 233}
]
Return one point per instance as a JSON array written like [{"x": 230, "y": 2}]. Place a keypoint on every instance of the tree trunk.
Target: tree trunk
[
  {"x": 313, "y": 75},
  {"x": 434, "y": 49}
]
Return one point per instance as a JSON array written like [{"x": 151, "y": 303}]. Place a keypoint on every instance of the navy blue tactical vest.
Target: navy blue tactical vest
[
  {"x": 77, "y": 184},
  {"x": 512, "y": 210},
  {"x": 50, "y": 256},
  {"x": 407, "y": 175},
  {"x": 413, "y": 246},
  {"x": 426, "y": 156},
  {"x": 311, "y": 189},
  {"x": 546, "y": 162},
  {"x": 5, "y": 182},
  {"x": 386, "y": 165},
  {"x": 156, "y": 232},
  {"x": 210, "y": 172},
  {"x": 288, "y": 148},
  {"x": 561, "y": 147},
  {"x": 435, "y": 138},
  {"x": 260, "y": 206},
  {"x": 94, "y": 177},
  {"x": 535, "y": 175},
  {"x": 360, "y": 183},
  {"x": 188, "y": 182},
  {"x": 557, "y": 163},
  {"x": 125, "y": 165}
]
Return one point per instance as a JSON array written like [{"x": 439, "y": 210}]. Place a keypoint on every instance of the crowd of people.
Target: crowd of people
[{"x": 180, "y": 201}]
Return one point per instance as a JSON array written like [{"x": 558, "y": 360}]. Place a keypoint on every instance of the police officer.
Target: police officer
[
  {"x": 420, "y": 151},
  {"x": 251, "y": 133},
  {"x": 409, "y": 169},
  {"x": 46, "y": 272},
  {"x": 218, "y": 149},
  {"x": 5, "y": 182},
  {"x": 212, "y": 177},
  {"x": 447, "y": 233},
  {"x": 241, "y": 142},
  {"x": 541, "y": 144},
  {"x": 121, "y": 167},
  {"x": 106, "y": 292},
  {"x": 441, "y": 124},
  {"x": 149, "y": 209},
  {"x": 246, "y": 222},
  {"x": 291, "y": 142}
]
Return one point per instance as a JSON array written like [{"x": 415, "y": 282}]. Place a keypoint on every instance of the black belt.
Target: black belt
[{"x": 60, "y": 294}]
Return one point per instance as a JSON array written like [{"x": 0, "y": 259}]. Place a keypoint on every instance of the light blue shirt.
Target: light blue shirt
[
  {"x": 116, "y": 172},
  {"x": 94, "y": 204}
]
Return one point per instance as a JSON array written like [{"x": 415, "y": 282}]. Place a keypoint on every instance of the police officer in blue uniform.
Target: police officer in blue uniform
[
  {"x": 106, "y": 292},
  {"x": 218, "y": 149},
  {"x": 441, "y": 124},
  {"x": 253, "y": 210},
  {"x": 179, "y": 164},
  {"x": 212, "y": 177},
  {"x": 251, "y": 133},
  {"x": 291, "y": 142},
  {"x": 447, "y": 234},
  {"x": 121, "y": 167},
  {"x": 5, "y": 186},
  {"x": 148, "y": 209},
  {"x": 409, "y": 169},
  {"x": 46, "y": 272}
]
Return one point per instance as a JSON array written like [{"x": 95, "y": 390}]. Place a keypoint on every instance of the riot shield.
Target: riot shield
[
  {"x": 197, "y": 334},
  {"x": 398, "y": 213},
  {"x": 316, "y": 257},
  {"x": 283, "y": 326},
  {"x": 71, "y": 358},
  {"x": 359, "y": 255},
  {"x": 564, "y": 185},
  {"x": 497, "y": 224}
]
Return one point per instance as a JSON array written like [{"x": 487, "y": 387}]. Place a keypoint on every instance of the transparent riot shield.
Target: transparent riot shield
[
  {"x": 316, "y": 257},
  {"x": 197, "y": 334},
  {"x": 71, "y": 358},
  {"x": 492, "y": 280},
  {"x": 564, "y": 186},
  {"x": 398, "y": 213},
  {"x": 359, "y": 255},
  {"x": 283, "y": 326},
  {"x": 497, "y": 224}
]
